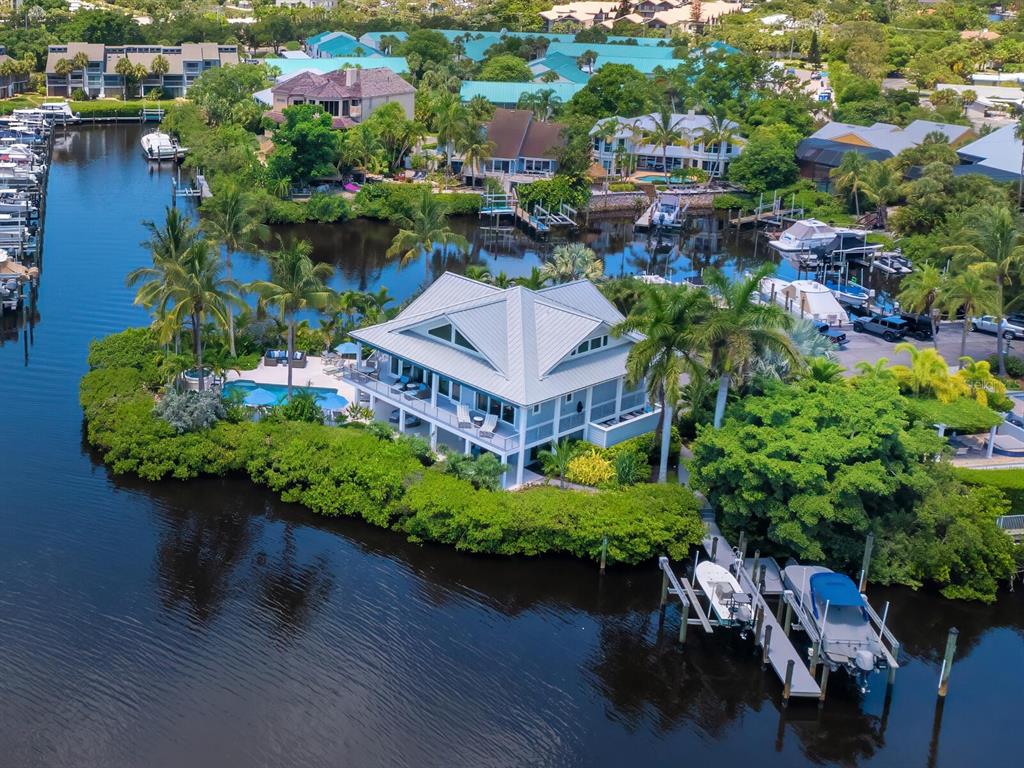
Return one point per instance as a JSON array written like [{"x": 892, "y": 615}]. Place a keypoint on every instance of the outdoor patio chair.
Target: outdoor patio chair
[
  {"x": 462, "y": 412},
  {"x": 487, "y": 430}
]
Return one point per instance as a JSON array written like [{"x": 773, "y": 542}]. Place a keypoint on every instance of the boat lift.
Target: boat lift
[{"x": 760, "y": 579}]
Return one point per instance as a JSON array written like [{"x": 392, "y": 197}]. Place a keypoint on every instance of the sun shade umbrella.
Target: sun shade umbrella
[
  {"x": 260, "y": 396},
  {"x": 347, "y": 349}
]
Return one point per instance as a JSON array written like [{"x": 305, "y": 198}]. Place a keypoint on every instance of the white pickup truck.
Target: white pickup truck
[{"x": 989, "y": 324}]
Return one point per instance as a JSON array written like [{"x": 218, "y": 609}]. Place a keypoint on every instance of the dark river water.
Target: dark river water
[{"x": 208, "y": 624}]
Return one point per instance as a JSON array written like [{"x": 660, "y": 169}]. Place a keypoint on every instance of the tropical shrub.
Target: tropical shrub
[
  {"x": 483, "y": 471},
  {"x": 394, "y": 202},
  {"x": 190, "y": 411},
  {"x": 134, "y": 348},
  {"x": 1014, "y": 365},
  {"x": 631, "y": 468},
  {"x": 1010, "y": 482},
  {"x": 301, "y": 406},
  {"x": 622, "y": 186},
  {"x": 552, "y": 192},
  {"x": 590, "y": 468}
]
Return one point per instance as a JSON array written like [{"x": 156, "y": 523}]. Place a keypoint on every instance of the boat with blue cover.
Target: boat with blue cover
[{"x": 831, "y": 604}]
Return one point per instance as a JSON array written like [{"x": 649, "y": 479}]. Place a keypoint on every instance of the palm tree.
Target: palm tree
[
  {"x": 81, "y": 61},
  {"x": 823, "y": 370},
  {"x": 451, "y": 123},
  {"x": 159, "y": 66},
  {"x": 573, "y": 262},
  {"x": 878, "y": 370},
  {"x": 920, "y": 291},
  {"x": 230, "y": 218},
  {"x": 738, "y": 331},
  {"x": 606, "y": 132},
  {"x": 543, "y": 103},
  {"x": 426, "y": 231},
  {"x": 535, "y": 281},
  {"x": 189, "y": 288},
  {"x": 479, "y": 273},
  {"x": 296, "y": 284},
  {"x": 848, "y": 177},
  {"x": 1018, "y": 134},
  {"x": 993, "y": 239},
  {"x": 667, "y": 318},
  {"x": 64, "y": 68},
  {"x": 928, "y": 372},
  {"x": 663, "y": 133},
  {"x": 882, "y": 185},
  {"x": 476, "y": 149},
  {"x": 971, "y": 291},
  {"x": 555, "y": 460},
  {"x": 718, "y": 133}
]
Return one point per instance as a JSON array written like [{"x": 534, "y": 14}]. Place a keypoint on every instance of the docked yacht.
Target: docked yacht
[
  {"x": 830, "y": 603},
  {"x": 59, "y": 113},
  {"x": 804, "y": 235},
  {"x": 159, "y": 146},
  {"x": 804, "y": 298}
]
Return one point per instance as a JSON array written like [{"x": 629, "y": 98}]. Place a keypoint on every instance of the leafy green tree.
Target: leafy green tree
[
  {"x": 225, "y": 94},
  {"x": 616, "y": 89},
  {"x": 305, "y": 145},
  {"x": 423, "y": 48},
  {"x": 882, "y": 185},
  {"x": 296, "y": 284},
  {"x": 666, "y": 317},
  {"x": 768, "y": 159},
  {"x": 132, "y": 73},
  {"x": 451, "y": 123},
  {"x": 506, "y": 69},
  {"x": 739, "y": 330}
]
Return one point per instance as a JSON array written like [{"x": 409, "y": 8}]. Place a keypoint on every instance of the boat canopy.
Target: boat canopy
[
  {"x": 837, "y": 590},
  {"x": 808, "y": 229}
]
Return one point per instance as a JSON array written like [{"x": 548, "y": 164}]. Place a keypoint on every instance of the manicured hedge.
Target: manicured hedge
[
  {"x": 392, "y": 201},
  {"x": 1009, "y": 481},
  {"x": 350, "y": 471},
  {"x": 94, "y": 108}
]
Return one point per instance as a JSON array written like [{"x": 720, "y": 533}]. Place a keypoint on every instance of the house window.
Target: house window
[
  {"x": 450, "y": 389},
  {"x": 330, "y": 107},
  {"x": 495, "y": 407},
  {"x": 462, "y": 341},
  {"x": 442, "y": 332},
  {"x": 568, "y": 398},
  {"x": 535, "y": 409},
  {"x": 590, "y": 345}
]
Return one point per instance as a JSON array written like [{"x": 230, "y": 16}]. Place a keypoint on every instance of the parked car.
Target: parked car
[
  {"x": 889, "y": 327},
  {"x": 918, "y": 326},
  {"x": 989, "y": 324},
  {"x": 834, "y": 335}
]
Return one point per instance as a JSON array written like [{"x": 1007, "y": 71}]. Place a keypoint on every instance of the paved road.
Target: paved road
[{"x": 866, "y": 347}]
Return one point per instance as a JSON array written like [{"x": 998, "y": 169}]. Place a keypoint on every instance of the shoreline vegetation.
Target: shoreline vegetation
[{"x": 359, "y": 471}]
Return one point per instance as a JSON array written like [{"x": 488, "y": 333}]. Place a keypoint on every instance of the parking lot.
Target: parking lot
[{"x": 865, "y": 347}]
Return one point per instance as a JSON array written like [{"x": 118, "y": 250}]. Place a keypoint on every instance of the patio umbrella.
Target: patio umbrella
[
  {"x": 260, "y": 396},
  {"x": 331, "y": 402},
  {"x": 347, "y": 349}
]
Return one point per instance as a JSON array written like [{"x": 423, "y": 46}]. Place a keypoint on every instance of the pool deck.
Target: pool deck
[{"x": 313, "y": 375}]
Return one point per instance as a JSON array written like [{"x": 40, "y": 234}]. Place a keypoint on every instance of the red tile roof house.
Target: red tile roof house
[
  {"x": 349, "y": 96},
  {"x": 523, "y": 146}
]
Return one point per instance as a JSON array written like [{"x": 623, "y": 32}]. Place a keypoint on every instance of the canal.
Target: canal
[{"x": 209, "y": 624}]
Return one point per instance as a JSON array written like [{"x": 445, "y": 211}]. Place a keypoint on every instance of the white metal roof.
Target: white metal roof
[{"x": 523, "y": 338}]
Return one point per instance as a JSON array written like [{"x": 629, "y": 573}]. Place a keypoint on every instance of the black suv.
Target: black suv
[
  {"x": 889, "y": 327},
  {"x": 834, "y": 335},
  {"x": 918, "y": 326}
]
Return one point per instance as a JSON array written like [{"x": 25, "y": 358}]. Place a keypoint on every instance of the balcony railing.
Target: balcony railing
[
  {"x": 607, "y": 435},
  {"x": 445, "y": 416}
]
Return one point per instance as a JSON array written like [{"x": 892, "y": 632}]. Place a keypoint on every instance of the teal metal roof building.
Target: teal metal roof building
[
  {"x": 616, "y": 51},
  {"x": 396, "y": 64},
  {"x": 507, "y": 94},
  {"x": 562, "y": 65}
]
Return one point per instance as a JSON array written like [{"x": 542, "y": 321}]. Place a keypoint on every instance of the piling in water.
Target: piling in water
[{"x": 947, "y": 661}]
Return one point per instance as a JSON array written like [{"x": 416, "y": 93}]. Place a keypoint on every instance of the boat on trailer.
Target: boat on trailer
[
  {"x": 730, "y": 604},
  {"x": 831, "y": 603},
  {"x": 850, "y": 294},
  {"x": 158, "y": 146}
]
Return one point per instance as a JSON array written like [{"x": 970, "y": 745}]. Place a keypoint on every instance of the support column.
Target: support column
[
  {"x": 521, "y": 457},
  {"x": 465, "y": 449},
  {"x": 433, "y": 437},
  {"x": 401, "y": 419},
  {"x": 586, "y": 409},
  {"x": 359, "y": 354},
  {"x": 556, "y": 430},
  {"x": 433, "y": 390},
  {"x": 618, "y": 396},
  {"x": 991, "y": 442}
]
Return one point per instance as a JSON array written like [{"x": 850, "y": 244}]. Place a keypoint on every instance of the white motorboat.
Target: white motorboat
[
  {"x": 848, "y": 293},
  {"x": 159, "y": 146},
  {"x": 730, "y": 604},
  {"x": 804, "y": 235},
  {"x": 831, "y": 604},
  {"x": 804, "y": 298},
  {"x": 892, "y": 263},
  {"x": 59, "y": 112}
]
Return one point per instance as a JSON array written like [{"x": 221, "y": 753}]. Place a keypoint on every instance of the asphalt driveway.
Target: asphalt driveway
[{"x": 865, "y": 347}]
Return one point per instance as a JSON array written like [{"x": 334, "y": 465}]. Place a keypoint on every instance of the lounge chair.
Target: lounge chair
[
  {"x": 487, "y": 429},
  {"x": 462, "y": 412}
]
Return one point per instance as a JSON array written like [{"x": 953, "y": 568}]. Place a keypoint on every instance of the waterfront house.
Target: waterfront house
[
  {"x": 16, "y": 82},
  {"x": 823, "y": 150},
  {"x": 997, "y": 155},
  {"x": 479, "y": 368},
  {"x": 349, "y": 96},
  {"x": 690, "y": 152},
  {"x": 184, "y": 63},
  {"x": 524, "y": 147}
]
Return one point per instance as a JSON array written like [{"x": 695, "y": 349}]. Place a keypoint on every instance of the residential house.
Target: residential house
[
  {"x": 185, "y": 63},
  {"x": 523, "y": 146},
  {"x": 997, "y": 155},
  {"x": 509, "y": 371},
  {"x": 323, "y": 5},
  {"x": 14, "y": 83},
  {"x": 582, "y": 14},
  {"x": 349, "y": 96},
  {"x": 823, "y": 150},
  {"x": 329, "y": 44},
  {"x": 691, "y": 152},
  {"x": 684, "y": 17}
]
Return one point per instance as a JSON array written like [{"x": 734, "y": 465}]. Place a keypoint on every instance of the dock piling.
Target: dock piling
[
  {"x": 824, "y": 683},
  {"x": 778, "y": 610},
  {"x": 664, "y": 590},
  {"x": 787, "y": 687},
  {"x": 714, "y": 549},
  {"x": 815, "y": 652},
  {"x": 758, "y": 618},
  {"x": 757, "y": 564},
  {"x": 742, "y": 546},
  {"x": 685, "y": 614},
  {"x": 869, "y": 544},
  {"x": 604, "y": 553},
  {"x": 947, "y": 661},
  {"x": 766, "y": 645}
]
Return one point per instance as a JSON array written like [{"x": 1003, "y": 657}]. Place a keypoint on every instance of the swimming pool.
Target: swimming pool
[
  {"x": 280, "y": 391},
  {"x": 652, "y": 178}
]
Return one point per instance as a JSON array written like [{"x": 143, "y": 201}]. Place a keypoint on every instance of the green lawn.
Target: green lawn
[{"x": 95, "y": 108}]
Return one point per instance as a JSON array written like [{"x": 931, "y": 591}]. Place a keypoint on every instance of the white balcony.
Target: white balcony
[{"x": 615, "y": 430}]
